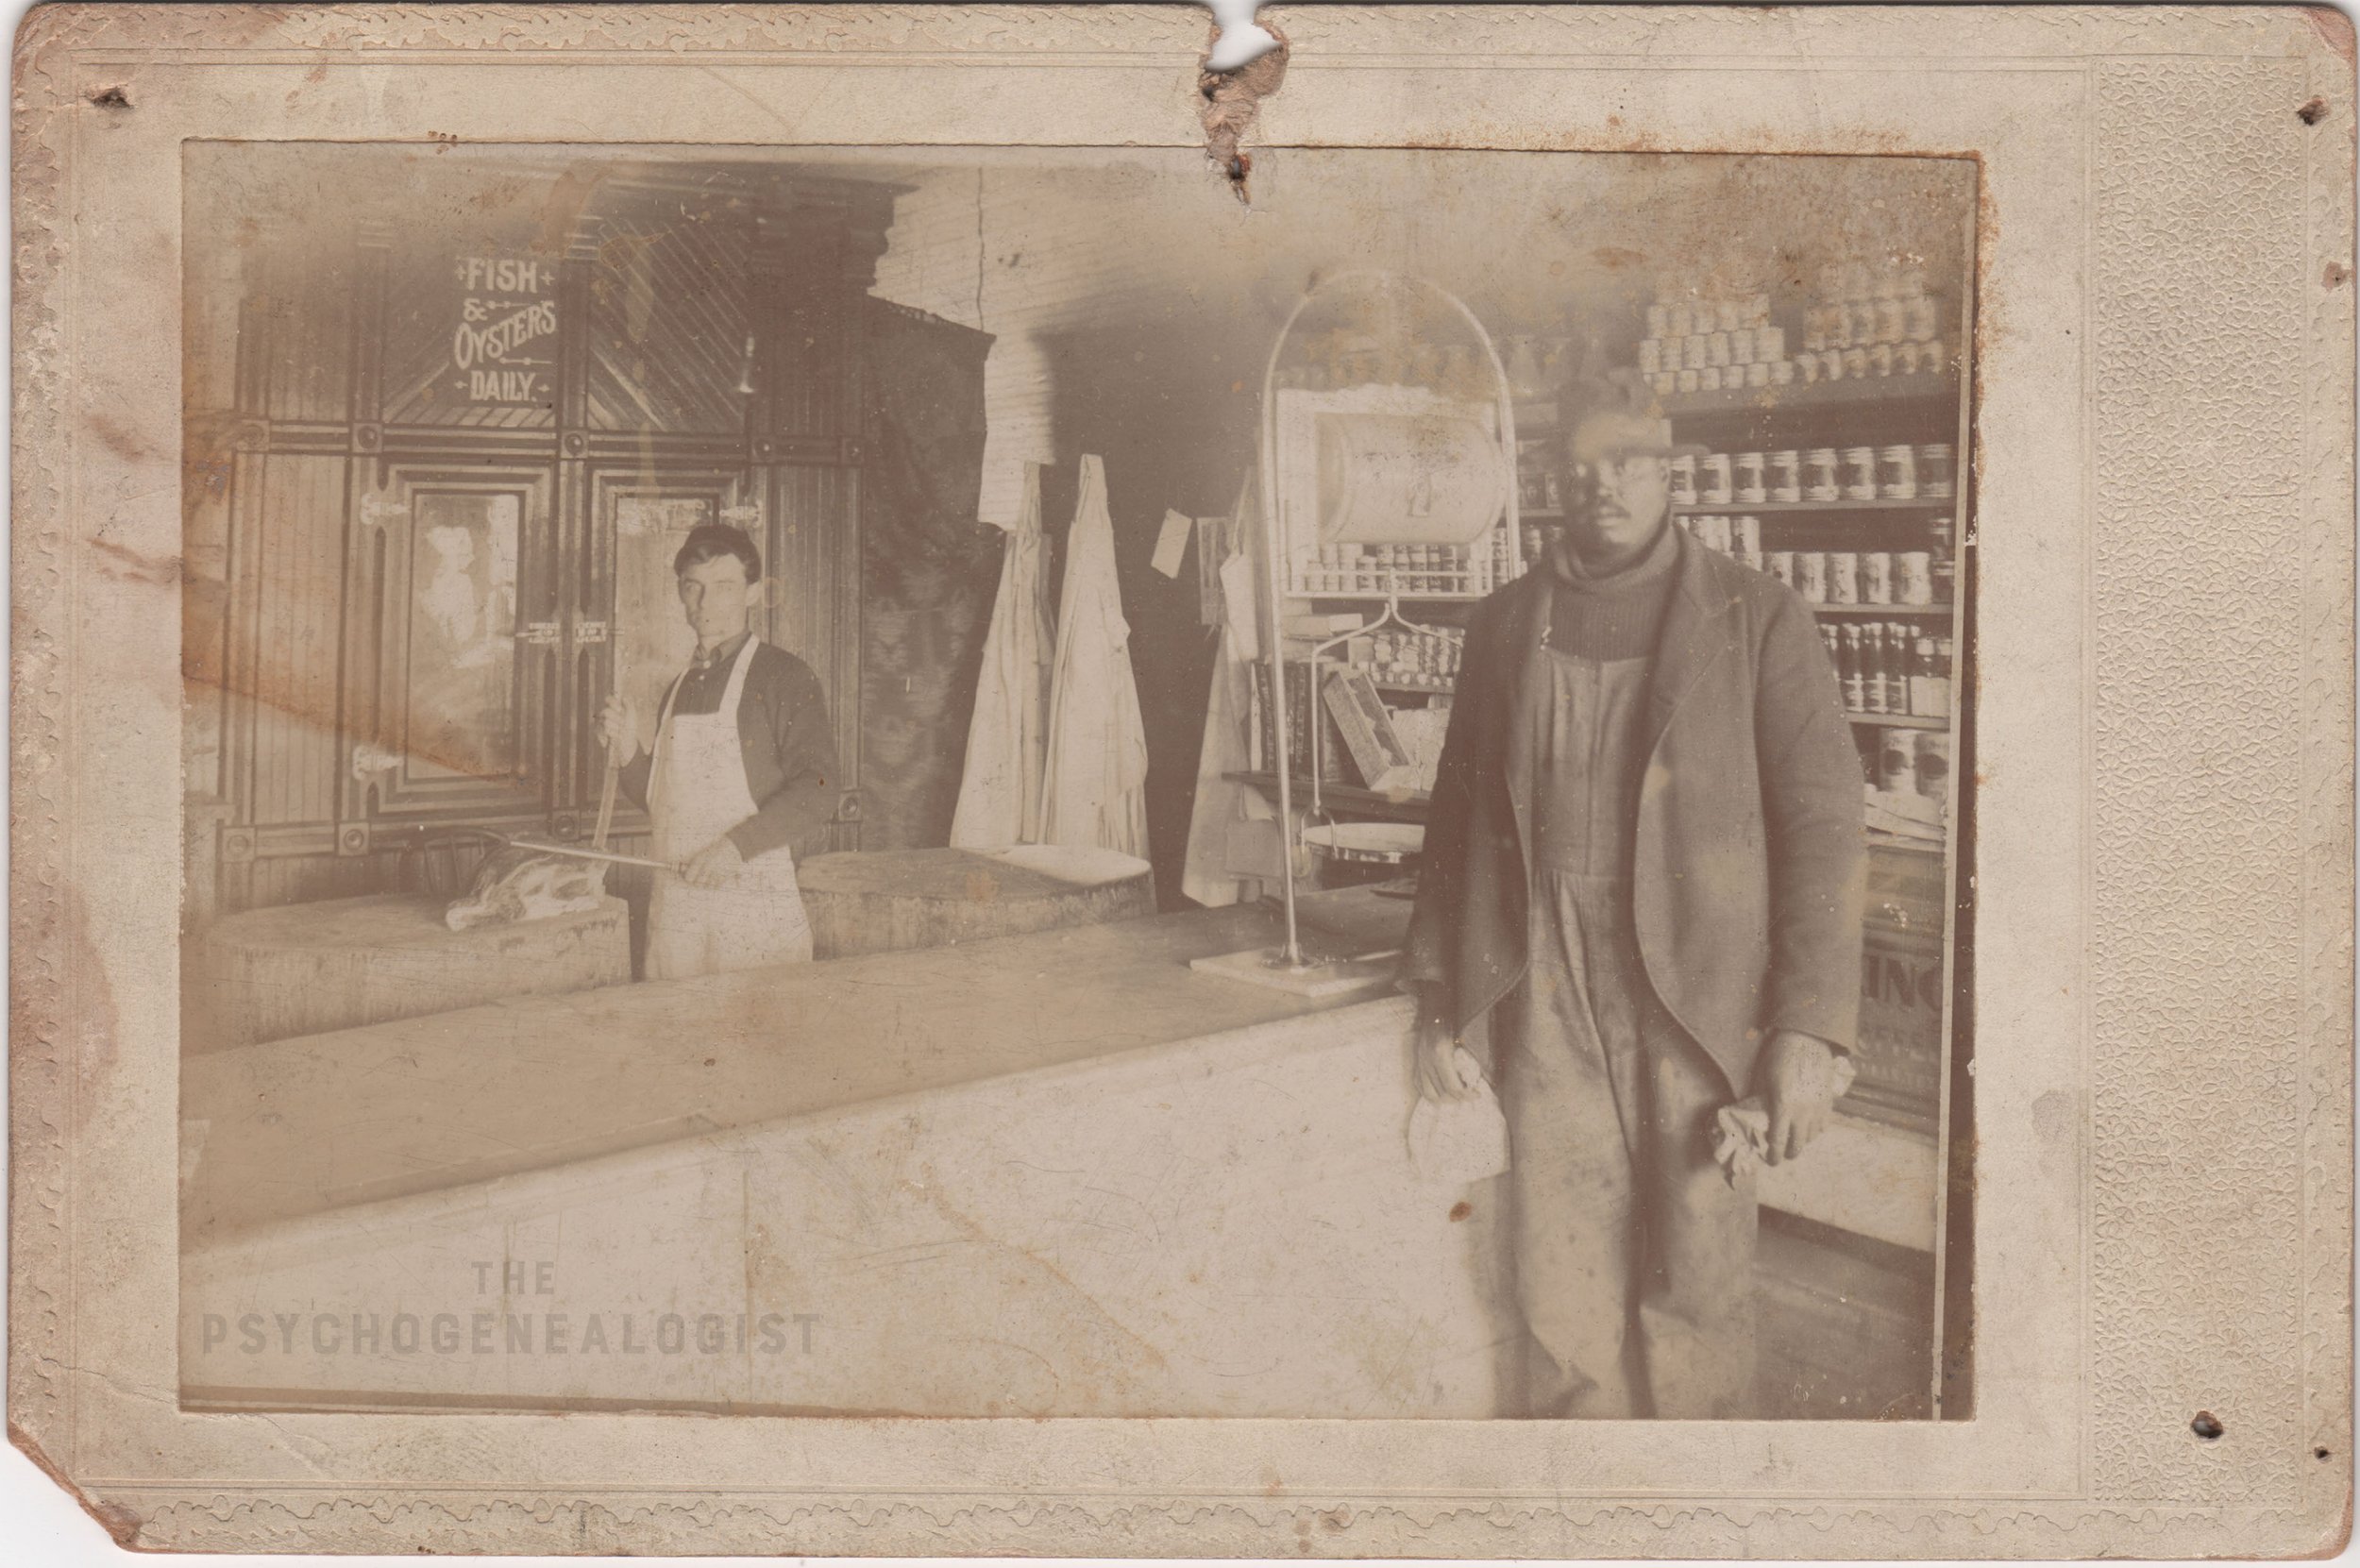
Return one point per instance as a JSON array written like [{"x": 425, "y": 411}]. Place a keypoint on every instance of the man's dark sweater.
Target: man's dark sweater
[
  {"x": 1614, "y": 614},
  {"x": 783, "y": 735}
]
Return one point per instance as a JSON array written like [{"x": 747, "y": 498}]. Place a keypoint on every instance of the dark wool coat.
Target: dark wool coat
[{"x": 1751, "y": 859}]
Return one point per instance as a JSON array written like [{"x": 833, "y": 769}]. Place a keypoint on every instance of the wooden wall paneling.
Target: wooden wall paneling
[
  {"x": 667, "y": 309},
  {"x": 308, "y": 303},
  {"x": 299, "y": 625},
  {"x": 813, "y": 550}
]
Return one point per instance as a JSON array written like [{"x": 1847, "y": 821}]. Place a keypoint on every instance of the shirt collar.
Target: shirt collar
[{"x": 699, "y": 664}]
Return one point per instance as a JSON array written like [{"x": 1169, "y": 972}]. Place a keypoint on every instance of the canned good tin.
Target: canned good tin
[
  {"x": 1810, "y": 576},
  {"x": 1897, "y": 766},
  {"x": 1931, "y": 770},
  {"x": 1695, "y": 351},
  {"x": 1650, "y": 356},
  {"x": 1752, "y": 486},
  {"x": 1729, "y": 314},
  {"x": 1758, "y": 374},
  {"x": 1859, "y": 473},
  {"x": 1658, "y": 320},
  {"x": 1711, "y": 378},
  {"x": 1784, "y": 475},
  {"x": 1907, "y": 357},
  {"x": 1831, "y": 366},
  {"x": 1820, "y": 470},
  {"x": 1915, "y": 577},
  {"x": 1843, "y": 577},
  {"x": 1679, "y": 319},
  {"x": 1919, "y": 321},
  {"x": 1769, "y": 343},
  {"x": 1808, "y": 368},
  {"x": 1782, "y": 566},
  {"x": 1781, "y": 372},
  {"x": 1876, "y": 577},
  {"x": 1714, "y": 484},
  {"x": 1860, "y": 323},
  {"x": 1664, "y": 382},
  {"x": 1881, "y": 358},
  {"x": 1896, "y": 473},
  {"x": 1856, "y": 360},
  {"x": 1717, "y": 349},
  {"x": 1742, "y": 345},
  {"x": 1936, "y": 473},
  {"x": 1746, "y": 534},
  {"x": 1684, "y": 480},
  {"x": 1931, "y": 358},
  {"x": 1890, "y": 319},
  {"x": 1713, "y": 528}
]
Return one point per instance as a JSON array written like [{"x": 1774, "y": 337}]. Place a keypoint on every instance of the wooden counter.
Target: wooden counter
[{"x": 1058, "y": 1173}]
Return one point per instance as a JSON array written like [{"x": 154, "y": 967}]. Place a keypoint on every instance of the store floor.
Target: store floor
[{"x": 1845, "y": 1324}]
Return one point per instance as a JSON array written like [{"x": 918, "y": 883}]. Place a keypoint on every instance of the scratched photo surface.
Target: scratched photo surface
[{"x": 912, "y": 1068}]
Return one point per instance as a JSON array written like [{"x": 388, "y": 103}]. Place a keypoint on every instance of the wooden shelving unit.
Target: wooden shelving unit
[{"x": 1934, "y": 505}]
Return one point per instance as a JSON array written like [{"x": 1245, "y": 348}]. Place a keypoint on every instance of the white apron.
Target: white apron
[{"x": 696, "y": 793}]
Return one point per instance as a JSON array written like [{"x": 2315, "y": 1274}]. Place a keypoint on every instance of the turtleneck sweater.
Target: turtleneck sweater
[{"x": 1614, "y": 614}]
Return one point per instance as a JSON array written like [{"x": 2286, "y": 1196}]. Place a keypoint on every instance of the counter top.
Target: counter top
[{"x": 300, "y": 1127}]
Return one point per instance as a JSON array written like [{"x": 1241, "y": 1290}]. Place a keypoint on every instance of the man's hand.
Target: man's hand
[
  {"x": 618, "y": 726},
  {"x": 1800, "y": 1084},
  {"x": 1437, "y": 1055},
  {"x": 715, "y": 866}
]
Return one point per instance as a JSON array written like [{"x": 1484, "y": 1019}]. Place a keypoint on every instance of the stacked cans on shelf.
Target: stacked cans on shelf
[
  {"x": 1413, "y": 663},
  {"x": 1895, "y": 472},
  {"x": 1378, "y": 570},
  {"x": 1867, "y": 320}
]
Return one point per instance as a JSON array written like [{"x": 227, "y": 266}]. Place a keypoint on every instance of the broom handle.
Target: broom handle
[{"x": 606, "y": 798}]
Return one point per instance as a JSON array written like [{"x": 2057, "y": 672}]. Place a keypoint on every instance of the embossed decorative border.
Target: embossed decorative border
[{"x": 2218, "y": 1017}]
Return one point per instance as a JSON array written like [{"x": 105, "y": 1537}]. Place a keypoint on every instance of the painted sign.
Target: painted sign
[{"x": 504, "y": 345}]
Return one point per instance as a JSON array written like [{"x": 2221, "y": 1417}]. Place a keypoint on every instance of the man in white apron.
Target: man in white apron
[{"x": 744, "y": 770}]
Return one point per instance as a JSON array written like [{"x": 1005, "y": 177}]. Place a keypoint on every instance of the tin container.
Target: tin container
[
  {"x": 1937, "y": 473},
  {"x": 1821, "y": 471},
  {"x": 1876, "y": 577},
  {"x": 1919, "y": 321},
  {"x": 1712, "y": 377},
  {"x": 1679, "y": 319},
  {"x": 1684, "y": 480},
  {"x": 1664, "y": 382},
  {"x": 1695, "y": 352},
  {"x": 1714, "y": 484},
  {"x": 1881, "y": 358},
  {"x": 1856, "y": 362},
  {"x": 1729, "y": 314},
  {"x": 1716, "y": 531},
  {"x": 1783, "y": 475},
  {"x": 1808, "y": 368},
  {"x": 1913, "y": 577},
  {"x": 1769, "y": 343},
  {"x": 1781, "y": 372},
  {"x": 1843, "y": 577},
  {"x": 1782, "y": 566},
  {"x": 1931, "y": 760},
  {"x": 1891, "y": 320},
  {"x": 1717, "y": 349},
  {"x": 1833, "y": 366},
  {"x": 1810, "y": 576},
  {"x": 1896, "y": 473},
  {"x": 1658, "y": 320},
  {"x": 1897, "y": 764},
  {"x": 1691, "y": 380},
  {"x": 1859, "y": 473},
  {"x": 1752, "y": 487},
  {"x": 1758, "y": 374},
  {"x": 1650, "y": 356},
  {"x": 1745, "y": 535}
]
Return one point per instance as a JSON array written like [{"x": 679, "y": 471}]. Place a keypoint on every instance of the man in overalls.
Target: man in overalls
[
  {"x": 743, "y": 767},
  {"x": 1645, "y": 864}
]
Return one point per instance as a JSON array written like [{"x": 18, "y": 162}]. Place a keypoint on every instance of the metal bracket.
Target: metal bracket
[
  {"x": 590, "y": 632},
  {"x": 376, "y": 512}
]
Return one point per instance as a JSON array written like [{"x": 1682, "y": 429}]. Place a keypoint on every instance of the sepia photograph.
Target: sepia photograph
[{"x": 984, "y": 781}]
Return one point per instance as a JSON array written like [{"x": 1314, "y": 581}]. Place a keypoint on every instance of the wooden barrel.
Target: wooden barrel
[
  {"x": 896, "y": 900},
  {"x": 304, "y": 968}
]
